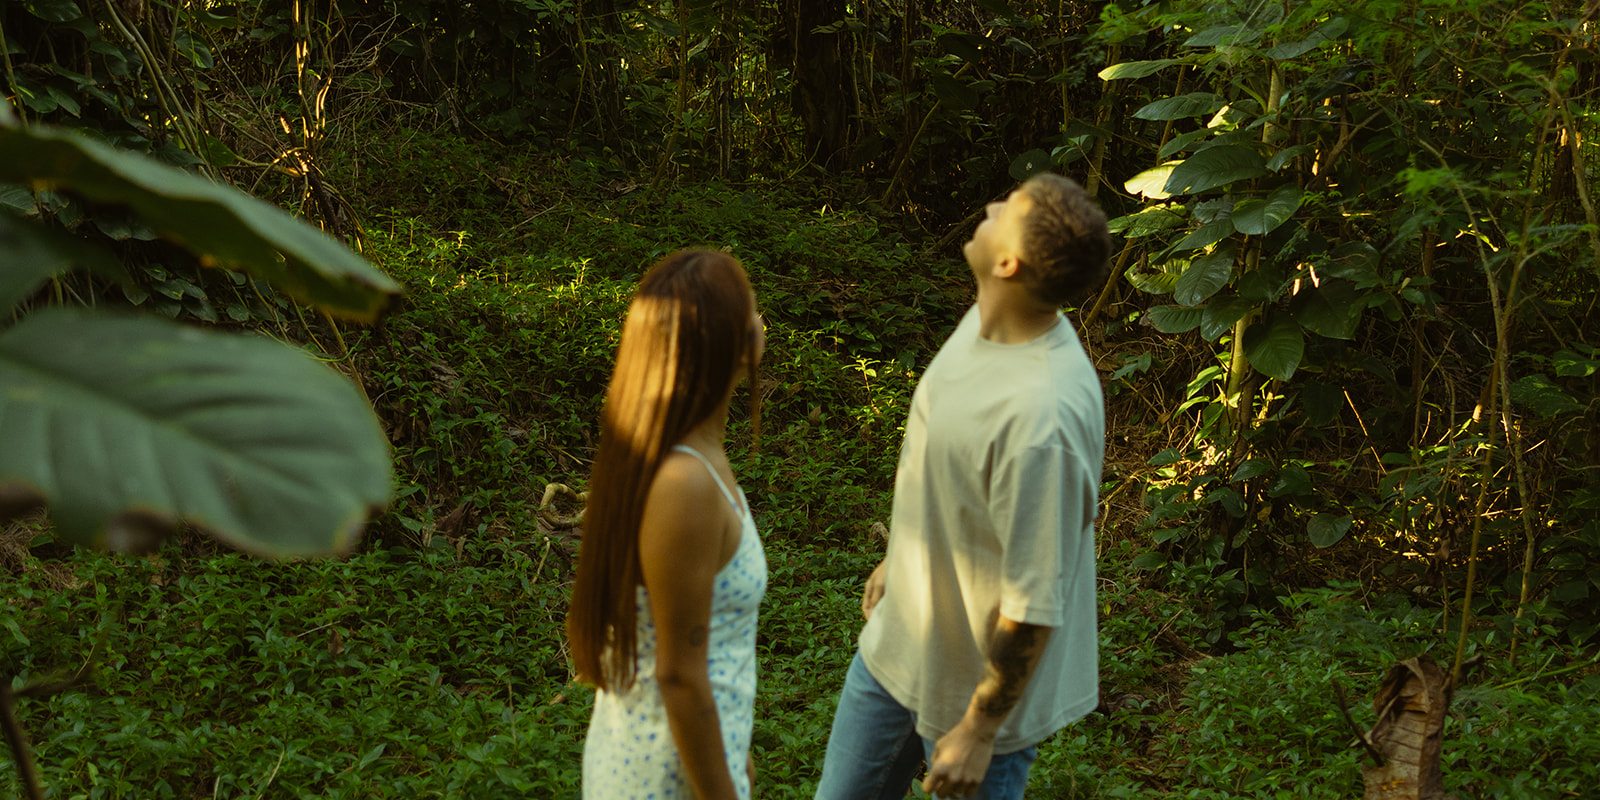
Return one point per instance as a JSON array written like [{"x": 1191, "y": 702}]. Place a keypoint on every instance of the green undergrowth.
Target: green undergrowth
[{"x": 430, "y": 663}]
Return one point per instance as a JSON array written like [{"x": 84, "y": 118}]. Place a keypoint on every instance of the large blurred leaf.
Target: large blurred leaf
[
  {"x": 966, "y": 45},
  {"x": 112, "y": 419},
  {"x": 1223, "y": 35},
  {"x": 1194, "y": 104},
  {"x": 31, "y": 253},
  {"x": 1182, "y": 142},
  {"x": 1204, "y": 277},
  {"x": 1136, "y": 69},
  {"x": 1332, "y": 309},
  {"x": 1152, "y": 282},
  {"x": 1275, "y": 345},
  {"x": 1173, "y": 319},
  {"x": 222, "y": 225},
  {"x": 1216, "y": 166},
  {"x": 1260, "y": 217}
]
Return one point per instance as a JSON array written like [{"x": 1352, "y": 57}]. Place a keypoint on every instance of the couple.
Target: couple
[{"x": 980, "y": 637}]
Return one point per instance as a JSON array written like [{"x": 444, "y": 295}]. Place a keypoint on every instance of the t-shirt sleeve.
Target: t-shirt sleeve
[{"x": 1036, "y": 502}]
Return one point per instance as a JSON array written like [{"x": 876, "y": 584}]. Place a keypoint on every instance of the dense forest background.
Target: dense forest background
[{"x": 1348, "y": 352}]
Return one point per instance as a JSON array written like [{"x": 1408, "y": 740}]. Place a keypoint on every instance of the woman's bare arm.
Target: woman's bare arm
[{"x": 681, "y": 547}]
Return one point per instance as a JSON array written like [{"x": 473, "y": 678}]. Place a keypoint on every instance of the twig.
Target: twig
[{"x": 1344, "y": 708}]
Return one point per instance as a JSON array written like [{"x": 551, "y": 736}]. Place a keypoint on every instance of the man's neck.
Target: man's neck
[{"x": 1005, "y": 316}]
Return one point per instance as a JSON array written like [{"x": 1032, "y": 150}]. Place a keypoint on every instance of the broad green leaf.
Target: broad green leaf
[
  {"x": 53, "y": 10},
  {"x": 1152, "y": 219},
  {"x": 1353, "y": 261},
  {"x": 1221, "y": 314},
  {"x": 1136, "y": 69},
  {"x": 1261, "y": 217},
  {"x": 1332, "y": 309},
  {"x": 1262, "y": 285},
  {"x": 1150, "y": 182},
  {"x": 1323, "y": 402},
  {"x": 1152, "y": 282},
  {"x": 1274, "y": 345},
  {"x": 31, "y": 253},
  {"x": 1251, "y": 468},
  {"x": 16, "y": 198},
  {"x": 1542, "y": 395},
  {"x": 222, "y": 225},
  {"x": 1204, "y": 277},
  {"x": 1326, "y": 32},
  {"x": 952, "y": 92},
  {"x": 1215, "y": 166},
  {"x": 1574, "y": 365},
  {"x": 1030, "y": 164},
  {"x": 1283, "y": 156},
  {"x": 1182, "y": 141},
  {"x": 1293, "y": 481},
  {"x": 965, "y": 45},
  {"x": 1206, "y": 235},
  {"x": 1173, "y": 319},
  {"x": 1151, "y": 560},
  {"x": 1325, "y": 530},
  {"x": 1223, "y": 35},
  {"x": 1193, "y": 104},
  {"x": 127, "y": 424}
]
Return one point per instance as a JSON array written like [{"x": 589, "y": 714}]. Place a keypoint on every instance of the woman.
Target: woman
[{"x": 671, "y": 574}]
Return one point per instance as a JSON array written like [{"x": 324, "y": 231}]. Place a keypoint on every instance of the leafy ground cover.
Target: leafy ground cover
[{"x": 430, "y": 663}]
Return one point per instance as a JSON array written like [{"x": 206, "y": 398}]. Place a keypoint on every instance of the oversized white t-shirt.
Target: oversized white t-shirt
[{"x": 994, "y": 508}]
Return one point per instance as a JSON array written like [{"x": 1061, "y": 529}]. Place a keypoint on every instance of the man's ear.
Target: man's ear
[{"x": 1007, "y": 266}]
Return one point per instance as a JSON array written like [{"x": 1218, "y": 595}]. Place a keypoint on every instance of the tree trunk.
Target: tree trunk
[{"x": 824, "y": 84}]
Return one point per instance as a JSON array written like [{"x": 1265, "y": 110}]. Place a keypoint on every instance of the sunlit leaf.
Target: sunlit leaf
[
  {"x": 1144, "y": 222},
  {"x": 1274, "y": 345},
  {"x": 1215, "y": 166},
  {"x": 1204, "y": 277},
  {"x": 1150, "y": 182},
  {"x": 1260, "y": 217},
  {"x": 137, "y": 423},
  {"x": 1193, "y": 104},
  {"x": 1136, "y": 69},
  {"x": 1152, "y": 282},
  {"x": 1173, "y": 319}
]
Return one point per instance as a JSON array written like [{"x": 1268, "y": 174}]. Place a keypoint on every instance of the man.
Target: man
[{"x": 980, "y": 636}]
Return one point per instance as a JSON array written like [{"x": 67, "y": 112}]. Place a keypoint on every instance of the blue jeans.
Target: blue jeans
[{"x": 874, "y": 751}]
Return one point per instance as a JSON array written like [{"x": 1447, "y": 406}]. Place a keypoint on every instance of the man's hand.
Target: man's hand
[
  {"x": 960, "y": 761},
  {"x": 873, "y": 592}
]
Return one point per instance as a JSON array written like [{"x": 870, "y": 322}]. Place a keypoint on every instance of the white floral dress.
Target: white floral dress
[{"x": 629, "y": 753}]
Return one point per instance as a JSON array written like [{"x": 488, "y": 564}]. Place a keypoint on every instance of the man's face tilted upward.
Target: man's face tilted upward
[{"x": 999, "y": 236}]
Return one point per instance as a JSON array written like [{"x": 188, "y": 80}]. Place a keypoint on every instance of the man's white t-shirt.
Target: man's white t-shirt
[{"x": 994, "y": 508}]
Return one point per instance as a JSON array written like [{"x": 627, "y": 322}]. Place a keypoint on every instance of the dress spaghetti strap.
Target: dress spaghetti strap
[{"x": 683, "y": 448}]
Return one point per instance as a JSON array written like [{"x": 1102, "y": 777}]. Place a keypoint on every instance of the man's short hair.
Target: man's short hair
[{"x": 1066, "y": 248}]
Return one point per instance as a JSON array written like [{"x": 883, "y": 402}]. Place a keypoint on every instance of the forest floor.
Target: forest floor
[{"x": 431, "y": 664}]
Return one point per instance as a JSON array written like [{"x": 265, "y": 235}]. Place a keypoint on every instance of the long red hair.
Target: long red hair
[{"x": 687, "y": 337}]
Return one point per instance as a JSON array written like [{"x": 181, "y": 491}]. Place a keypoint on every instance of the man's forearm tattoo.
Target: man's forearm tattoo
[{"x": 1011, "y": 662}]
